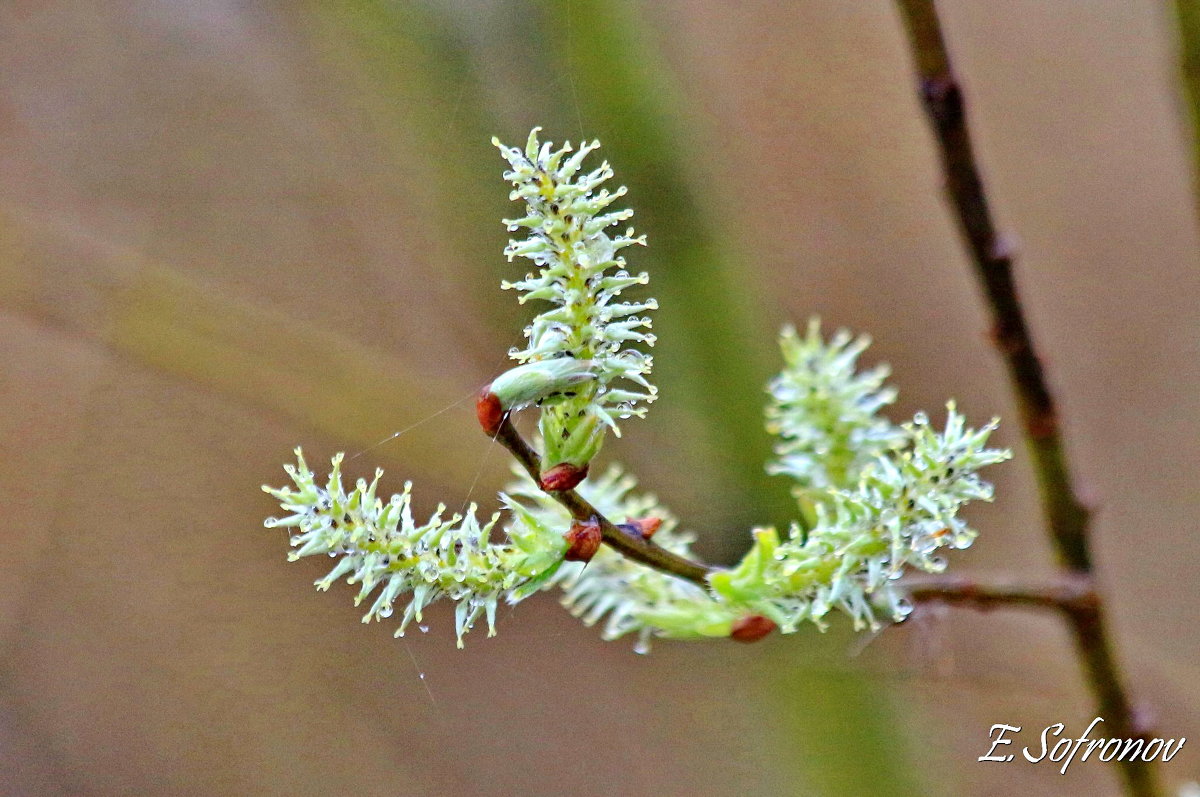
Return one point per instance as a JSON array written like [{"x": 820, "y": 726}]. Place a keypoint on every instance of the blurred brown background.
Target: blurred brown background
[{"x": 228, "y": 227}]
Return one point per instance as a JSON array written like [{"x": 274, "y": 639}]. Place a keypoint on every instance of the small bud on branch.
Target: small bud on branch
[
  {"x": 489, "y": 411},
  {"x": 642, "y": 527},
  {"x": 563, "y": 476},
  {"x": 583, "y": 540},
  {"x": 751, "y": 628}
]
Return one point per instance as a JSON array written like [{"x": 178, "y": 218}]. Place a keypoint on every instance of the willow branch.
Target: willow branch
[
  {"x": 1071, "y": 593},
  {"x": 1067, "y": 517},
  {"x": 629, "y": 545}
]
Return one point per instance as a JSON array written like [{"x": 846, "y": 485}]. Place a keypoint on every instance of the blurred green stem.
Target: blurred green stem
[
  {"x": 1067, "y": 518},
  {"x": 1188, "y": 14}
]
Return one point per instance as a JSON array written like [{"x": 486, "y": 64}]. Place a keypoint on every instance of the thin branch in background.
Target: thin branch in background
[
  {"x": 1071, "y": 593},
  {"x": 1067, "y": 518}
]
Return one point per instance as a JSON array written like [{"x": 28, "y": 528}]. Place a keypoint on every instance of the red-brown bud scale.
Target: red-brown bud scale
[
  {"x": 643, "y": 527},
  {"x": 751, "y": 628},
  {"x": 489, "y": 412},
  {"x": 563, "y": 476},
  {"x": 583, "y": 540}
]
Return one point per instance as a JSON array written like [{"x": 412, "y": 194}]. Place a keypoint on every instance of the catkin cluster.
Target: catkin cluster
[{"x": 874, "y": 499}]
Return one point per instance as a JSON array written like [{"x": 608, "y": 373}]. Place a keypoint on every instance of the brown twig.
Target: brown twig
[
  {"x": 1067, "y": 517},
  {"x": 992, "y": 256},
  {"x": 1071, "y": 593},
  {"x": 633, "y": 546}
]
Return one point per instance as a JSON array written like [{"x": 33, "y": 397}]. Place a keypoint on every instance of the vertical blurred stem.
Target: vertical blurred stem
[
  {"x": 1067, "y": 519},
  {"x": 713, "y": 347},
  {"x": 1188, "y": 14},
  {"x": 843, "y": 727}
]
